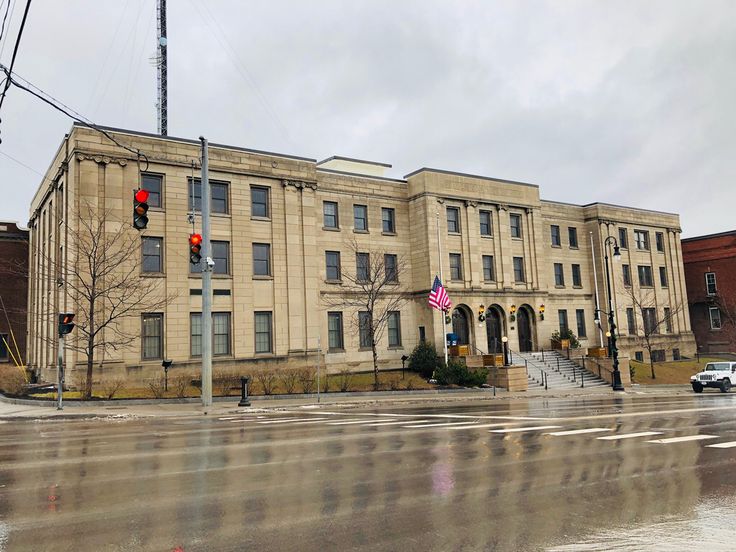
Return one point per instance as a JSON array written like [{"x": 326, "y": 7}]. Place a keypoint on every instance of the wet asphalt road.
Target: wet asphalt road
[{"x": 631, "y": 473}]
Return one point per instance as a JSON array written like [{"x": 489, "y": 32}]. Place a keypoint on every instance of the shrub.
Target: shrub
[
  {"x": 567, "y": 334},
  {"x": 157, "y": 387},
  {"x": 345, "y": 380},
  {"x": 12, "y": 381},
  {"x": 324, "y": 382},
  {"x": 410, "y": 384},
  {"x": 289, "y": 379},
  {"x": 224, "y": 381},
  {"x": 112, "y": 387},
  {"x": 423, "y": 359},
  {"x": 306, "y": 379},
  {"x": 455, "y": 372},
  {"x": 632, "y": 373},
  {"x": 394, "y": 382},
  {"x": 180, "y": 384},
  {"x": 267, "y": 378}
]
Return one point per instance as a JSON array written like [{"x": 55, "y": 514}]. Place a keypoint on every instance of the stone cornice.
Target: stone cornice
[
  {"x": 299, "y": 184},
  {"x": 101, "y": 159}
]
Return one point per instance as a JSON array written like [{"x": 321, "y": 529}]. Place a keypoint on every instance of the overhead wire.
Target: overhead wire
[
  {"x": 5, "y": 18},
  {"x": 15, "y": 54},
  {"x": 10, "y": 18}
]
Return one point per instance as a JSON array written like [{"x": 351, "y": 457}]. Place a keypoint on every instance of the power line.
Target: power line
[
  {"x": 5, "y": 17},
  {"x": 5, "y": 38},
  {"x": 15, "y": 53}
]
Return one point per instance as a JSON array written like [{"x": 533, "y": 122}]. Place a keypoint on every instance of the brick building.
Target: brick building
[
  {"x": 710, "y": 274},
  {"x": 282, "y": 227},
  {"x": 13, "y": 292}
]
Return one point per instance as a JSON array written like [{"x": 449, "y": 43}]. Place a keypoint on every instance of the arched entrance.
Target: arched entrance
[
  {"x": 460, "y": 325},
  {"x": 494, "y": 329},
  {"x": 525, "y": 318}
]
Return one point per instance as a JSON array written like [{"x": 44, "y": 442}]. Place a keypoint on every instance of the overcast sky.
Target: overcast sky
[{"x": 626, "y": 102}]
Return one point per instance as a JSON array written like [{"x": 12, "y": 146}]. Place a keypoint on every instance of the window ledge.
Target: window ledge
[
  {"x": 396, "y": 348},
  {"x": 264, "y": 354},
  {"x": 262, "y": 277},
  {"x": 388, "y": 233},
  {"x": 519, "y": 238},
  {"x": 331, "y": 228},
  {"x": 577, "y": 287},
  {"x": 558, "y": 286},
  {"x": 454, "y": 233},
  {"x": 487, "y": 236},
  {"x": 360, "y": 231},
  {"x": 335, "y": 351},
  {"x": 334, "y": 282},
  {"x": 363, "y": 349},
  {"x": 152, "y": 275},
  {"x": 262, "y": 219},
  {"x": 574, "y": 247},
  {"x": 556, "y": 246}
]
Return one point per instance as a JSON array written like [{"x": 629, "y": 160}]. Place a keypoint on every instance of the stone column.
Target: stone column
[{"x": 505, "y": 261}]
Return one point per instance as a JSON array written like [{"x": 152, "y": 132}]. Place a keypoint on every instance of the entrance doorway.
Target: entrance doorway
[
  {"x": 526, "y": 337},
  {"x": 494, "y": 330},
  {"x": 460, "y": 326}
]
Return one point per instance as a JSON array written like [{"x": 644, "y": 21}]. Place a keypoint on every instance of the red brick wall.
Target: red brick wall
[
  {"x": 14, "y": 285},
  {"x": 716, "y": 254}
]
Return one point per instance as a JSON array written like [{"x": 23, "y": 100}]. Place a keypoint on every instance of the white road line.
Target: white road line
[
  {"x": 730, "y": 444},
  {"x": 629, "y": 435},
  {"x": 683, "y": 439},
  {"x": 580, "y": 431},
  {"x": 378, "y": 424},
  {"x": 520, "y": 429},
  {"x": 473, "y": 426},
  {"x": 290, "y": 420},
  {"x": 394, "y": 415},
  {"x": 412, "y": 425},
  {"x": 349, "y": 422}
]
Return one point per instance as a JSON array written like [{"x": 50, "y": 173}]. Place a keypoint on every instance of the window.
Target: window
[
  {"x": 220, "y": 334},
  {"x": 422, "y": 334},
  {"x": 332, "y": 262},
  {"x": 663, "y": 276},
  {"x": 659, "y": 238},
  {"x": 153, "y": 336},
  {"x": 364, "y": 329},
  {"x": 519, "y": 270},
  {"x": 362, "y": 266},
  {"x": 710, "y": 283},
  {"x": 388, "y": 219},
  {"x": 3, "y": 349},
  {"x": 360, "y": 218},
  {"x": 488, "y": 274},
  {"x": 259, "y": 202},
  {"x": 639, "y": 356},
  {"x": 626, "y": 269},
  {"x": 555, "y": 233},
  {"x": 649, "y": 317},
  {"x": 576, "y": 279},
  {"x": 715, "y": 318},
  {"x": 152, "y": 252},
  {"x": 153, "y": 183},
  {"x": 394, "y": 329},
  {"x": 676, "y": 354},
  {"x": 221, "y": 256},
  {"x": 330, "y": 214},
  {"x": 668, "y": 319},
  {"x": 515, "y": 221},
  {"x": 641, "y": 237},
  {"x": 456, "y": 268},
  {"x": 630, "y": 321},
  {"x": 264, "y": 332},
  {"x": 334, "y": 331},
  {"x": 453, "y": 220},
  {"x": 486, "y": 226},
  {"x": 645, "y": 276},
  {"x": 261, "y": 259},
  {"x": 218, "y": 196},
  {"x": 658, "y": 355},
  {"x": 572, "y": 237},
  {"x": 580, "y": 318},
  {"x": 562, "y": 317},
  {"x": 623, "y": 238},
  {"x": 559, "y": 275},
  {"x": 389, "y": 264}
]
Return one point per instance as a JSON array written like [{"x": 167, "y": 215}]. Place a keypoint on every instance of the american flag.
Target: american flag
[{"x": 438, "y": 298}]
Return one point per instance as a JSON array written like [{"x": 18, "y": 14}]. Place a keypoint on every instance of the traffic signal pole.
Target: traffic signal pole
[
  {"x": 60, "y": 373},
  {"x": 207, "y": 266}
]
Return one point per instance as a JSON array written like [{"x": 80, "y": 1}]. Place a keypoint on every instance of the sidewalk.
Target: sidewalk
[{"x": 122, "y": 409}]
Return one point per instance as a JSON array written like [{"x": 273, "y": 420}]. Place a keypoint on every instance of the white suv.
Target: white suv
[{"x": 716, "y": 374}]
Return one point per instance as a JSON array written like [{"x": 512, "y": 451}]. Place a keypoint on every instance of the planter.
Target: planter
[{"x": 597, "y": 352}]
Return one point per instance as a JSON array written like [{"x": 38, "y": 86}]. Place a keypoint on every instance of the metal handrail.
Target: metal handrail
[{"x": 534, "y": 365}]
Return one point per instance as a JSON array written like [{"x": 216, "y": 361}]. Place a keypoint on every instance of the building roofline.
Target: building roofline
[
  {"x": 455, "y": 173},
  {"x": 191, "y": 141},
  {"x": 630, "y": 208},
  {"x": 709, "y": 236},
  {"x": 360, "y": 175},
  {"x": 354, "y": 160}
]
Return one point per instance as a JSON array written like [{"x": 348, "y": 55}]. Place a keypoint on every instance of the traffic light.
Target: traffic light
[
  {"x": 65, "y": 323},
  {"x": 195, "y": 248},
  {"x": 140, "y": 208}
]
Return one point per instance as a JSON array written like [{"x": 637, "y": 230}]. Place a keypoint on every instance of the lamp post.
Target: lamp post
[
  {"x": 617, "y": 386},
  {"x": 505, "y": 341}
]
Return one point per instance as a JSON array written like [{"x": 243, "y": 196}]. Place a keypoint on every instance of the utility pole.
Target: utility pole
[
  {"x": 60, "y": 374},
  {"x": 207, "y": 267},
  {"x": 163, "y": 101}
]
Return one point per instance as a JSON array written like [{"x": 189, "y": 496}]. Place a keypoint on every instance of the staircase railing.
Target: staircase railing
[{"x": 527, "y": 362}]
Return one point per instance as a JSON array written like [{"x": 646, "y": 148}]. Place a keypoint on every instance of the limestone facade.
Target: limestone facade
[{"x": 311, "y": 208}]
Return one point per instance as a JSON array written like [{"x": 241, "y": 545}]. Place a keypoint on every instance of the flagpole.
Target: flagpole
[
  {"x": 442, "y": 281},
  {"x": 595, "y": 288}
]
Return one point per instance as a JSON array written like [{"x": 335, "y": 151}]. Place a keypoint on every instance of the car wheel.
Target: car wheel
[
  {"x": 725, "y": 385},
  {"x": 697, "y": 388}
]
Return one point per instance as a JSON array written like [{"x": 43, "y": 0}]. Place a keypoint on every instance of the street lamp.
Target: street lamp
[
  {"x": 505, "y": 341},
  {"x": 617, "y": 386}
]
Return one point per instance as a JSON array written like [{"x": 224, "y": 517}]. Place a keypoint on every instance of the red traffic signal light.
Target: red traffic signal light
[
  {"x": 195, "y": 248},
  {"x": 65, "y": 323},
  {"x": 140, "y": 208}
]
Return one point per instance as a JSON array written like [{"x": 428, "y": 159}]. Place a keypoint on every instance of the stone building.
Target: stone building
[
  {"x": 710, "y": 265},
  {"x": 13, "y": 292},
  {"x": 283, "y": 228}
]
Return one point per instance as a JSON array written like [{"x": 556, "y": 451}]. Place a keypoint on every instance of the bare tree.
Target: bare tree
[
  {"x": 654, "y": 320},
  {"x": 372, "y": 293},
  {"x": 103, "y": 279}
]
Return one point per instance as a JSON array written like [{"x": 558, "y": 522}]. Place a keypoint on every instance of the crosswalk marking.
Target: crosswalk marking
[
  {"x": 351, "y": 422},
  {"x": 580, "y": 431},
  {"x": 472, "y": 426},
  {"x": 730, "y": 444},
  {"x": 435, "y": 424},
  {"x": 378, "y": 424},
  {"x": 629, "y": 435},
  {"x": 683, "y": 439},
  {"x": 291, "y": 420},
  {"x": 520, "y": 429}
]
